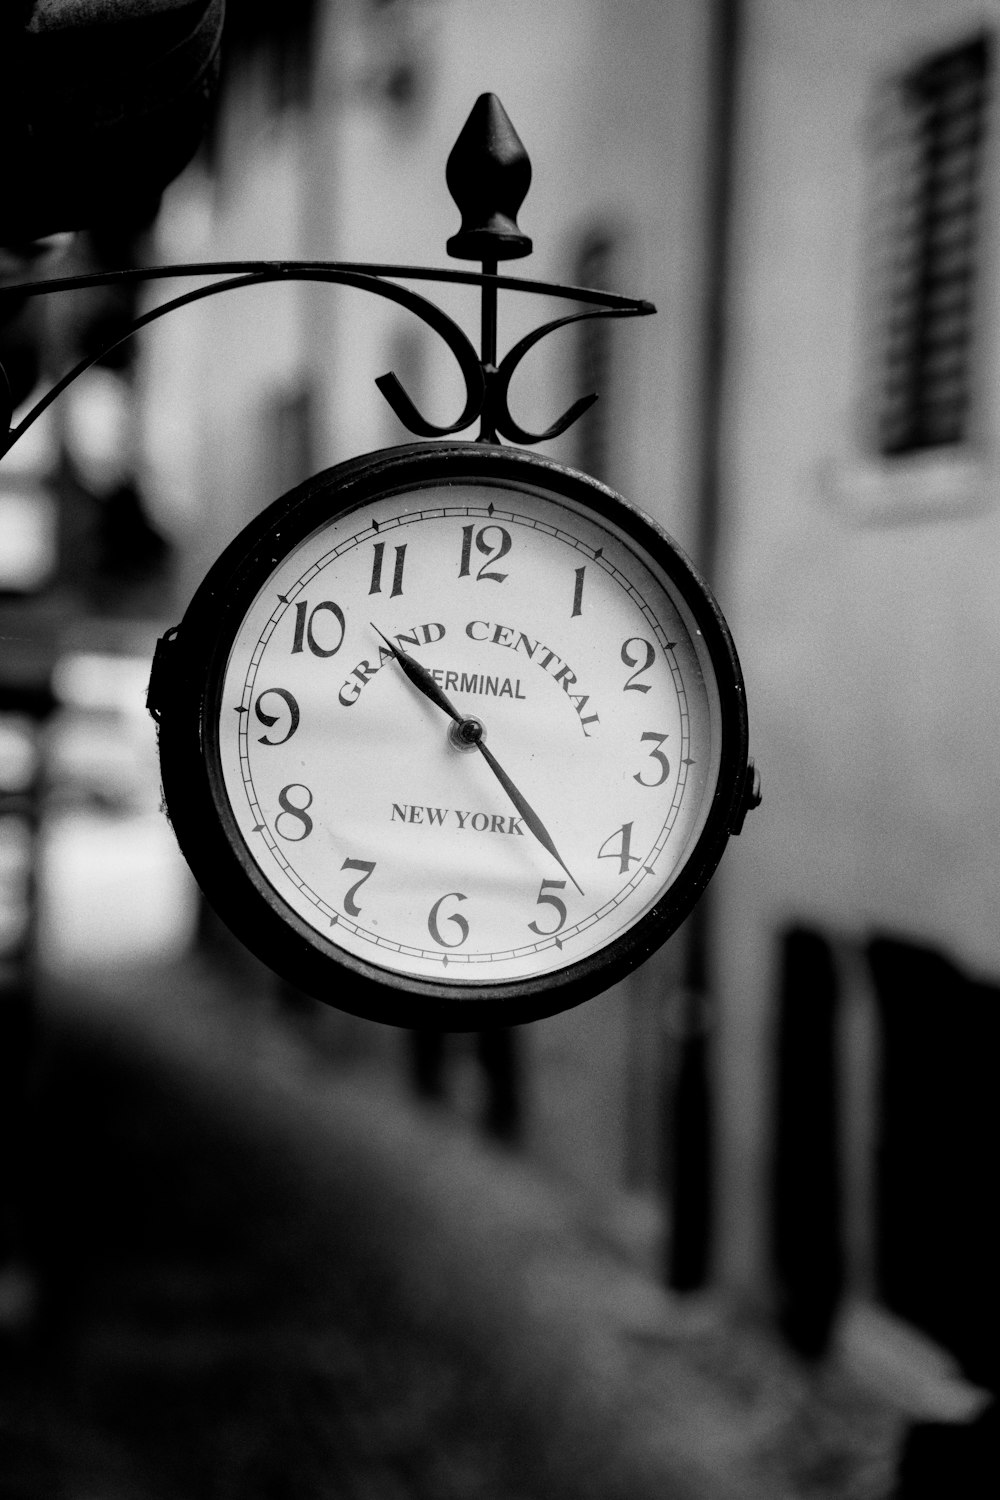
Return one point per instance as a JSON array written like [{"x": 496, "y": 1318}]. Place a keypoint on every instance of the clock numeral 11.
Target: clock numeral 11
[{"x": 397, "y": 572}]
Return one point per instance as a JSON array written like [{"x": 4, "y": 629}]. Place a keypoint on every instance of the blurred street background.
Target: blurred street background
[{"x": 724, "y": 1230}]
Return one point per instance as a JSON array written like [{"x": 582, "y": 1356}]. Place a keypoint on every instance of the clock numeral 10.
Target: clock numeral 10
[
  {"x": 305, "y": 621},
  {"x": 493, "y": 542},
  {"x": 397, "y": 572}
]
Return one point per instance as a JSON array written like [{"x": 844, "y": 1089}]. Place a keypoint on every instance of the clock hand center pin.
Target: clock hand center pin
[{"x": 468, "y": 732}]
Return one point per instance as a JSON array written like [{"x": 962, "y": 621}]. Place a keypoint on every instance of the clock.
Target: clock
[{"x": 452, "y": 736}]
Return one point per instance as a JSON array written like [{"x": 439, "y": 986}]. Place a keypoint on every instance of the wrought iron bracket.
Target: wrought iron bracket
[{"x": 488, "y": 175}]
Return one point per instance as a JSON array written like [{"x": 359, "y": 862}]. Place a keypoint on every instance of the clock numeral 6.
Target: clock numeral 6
[
  {"x": 459, "y": 921},
  {"x": 367, "y": 865},
  {"x": 646, "y": 656},
  {"x": 294, "y": 812},
  {"x": 305, "y": 621},
  {"x": 269, "y": 720},
  {"x": 656, "y": 755},
  {"x": 490, "y": 548},
  {"x": 624, "y": 851},
  {"x": 544, "y": 898}
]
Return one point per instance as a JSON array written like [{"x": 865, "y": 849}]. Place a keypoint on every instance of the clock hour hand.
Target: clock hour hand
[
  {"x": 422, "y": 679},
  {"x": 472, "y": 734}
]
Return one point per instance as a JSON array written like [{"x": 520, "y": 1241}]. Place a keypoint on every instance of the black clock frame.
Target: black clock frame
[{"x": 184, "y": 698}]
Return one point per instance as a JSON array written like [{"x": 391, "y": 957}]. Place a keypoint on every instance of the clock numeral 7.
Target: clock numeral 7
[
  {"x": 367, "y": 865},
  {"x": 544, "y": 898},
  {"x": 491, "y": 548},
  {"x": 460, "y": 923}
]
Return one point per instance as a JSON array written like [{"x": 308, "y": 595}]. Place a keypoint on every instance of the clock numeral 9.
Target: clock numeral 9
[
  {"x": 305, "y": 620},
  {"x": 656, "y": 755},
  {"x": 544, "y": 898},
  {"x": 296, "y": 814},
  {"x": 647, "y": 656},
  {"x": 271, "y": 719},
  {"x": 492, "y": 550},
  {"x": 459, "y": 921}
]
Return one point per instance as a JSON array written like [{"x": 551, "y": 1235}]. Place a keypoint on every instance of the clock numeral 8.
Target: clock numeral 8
[
  {"x": 459, "y": 921},
  {"x": 296, "y": 814}
]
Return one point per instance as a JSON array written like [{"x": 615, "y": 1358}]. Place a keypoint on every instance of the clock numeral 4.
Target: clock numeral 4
[
  {"x": 461, "y": 924},
  {"x": 545, "y": 898},
  {"x": 294, "y": 812},
  {"x": 269, "y": 720},
  {"x": 493, "y": 542},
  {"x": 623, "y": 853},
  {"x": 367, "y": 866},
  {"x": 657, "y": 755},
  {"x": 305, "y": 628},
  {"x": 397, "y": 572}
]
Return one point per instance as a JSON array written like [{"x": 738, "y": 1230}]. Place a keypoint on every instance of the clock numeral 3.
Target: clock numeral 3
[
  {"x": 460, "y": 923},
  {"x": 647, "y": 659},
  {"x": 397, "y": 572},
  {"x": 293, "y": 812},
  {"x": 656, "y": 755},
  {"x": 367, "y": 865},
  {"x": 271, "y": 719},
  {"x": 624, "y": 851},
  {"x": 544, "y": 898},
  {"x": 492, "y": 550},
  {"x": 305, "y": 620}
]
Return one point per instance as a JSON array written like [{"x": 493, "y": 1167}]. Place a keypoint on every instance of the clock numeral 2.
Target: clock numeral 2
[
  {"x": 397, "y": 572},
  {"x": 633, "y": 661},
  {"x": 492, "y": 550},
  {"x": 304, "y": 627},
  {"x": 297, "y": 814}
]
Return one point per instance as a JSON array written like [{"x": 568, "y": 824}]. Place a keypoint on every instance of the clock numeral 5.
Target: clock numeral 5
[
  {"x": 490, "y": 548},
  {"x": 269, "y": 720},
  {"x": 305, "y": 620},
  {"x": 367, "y": 865},
  {"x": 294, "y": 812},
  {"x": 656, "y": 755},
  {"x": 544, "y": 898},
  {"x": 459, "y": 921}
]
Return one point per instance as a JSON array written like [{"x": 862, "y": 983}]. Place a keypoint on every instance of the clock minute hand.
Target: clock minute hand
[{"x": 422, "y": 679}]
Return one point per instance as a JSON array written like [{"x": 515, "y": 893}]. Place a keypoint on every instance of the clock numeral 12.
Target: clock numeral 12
[
  {"x": 397, "y": 572},
  {"x": 492, "y": 551}
]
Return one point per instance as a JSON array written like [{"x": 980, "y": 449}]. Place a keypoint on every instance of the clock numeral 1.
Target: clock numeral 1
[
  {"x": 544, "y": 898},
  {"x": 459, "y": 921},
  {"x": 296, "y": 813},
  {"x": 578, "y": 593},
  {"x": 658, "y": 756},
  {"x": 624, "y": 851},
  {"x": 397, "y": 572},
  {"x": 491, "y": 549},
  {"x": 305, "y": 621},
  {"x": 367, "y": 865}
]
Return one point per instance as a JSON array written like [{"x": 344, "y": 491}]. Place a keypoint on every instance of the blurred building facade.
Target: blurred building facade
[{"x": 795, "y": 1089}]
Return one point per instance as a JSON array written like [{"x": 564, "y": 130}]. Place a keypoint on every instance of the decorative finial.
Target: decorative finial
[{"x": 488, "y": 175}]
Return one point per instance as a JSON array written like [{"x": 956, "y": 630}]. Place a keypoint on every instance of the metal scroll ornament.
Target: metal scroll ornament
[{"x": 488, "y": 174}]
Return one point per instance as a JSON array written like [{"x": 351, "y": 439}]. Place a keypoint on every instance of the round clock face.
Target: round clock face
[{"x": 471, "y": 736}]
